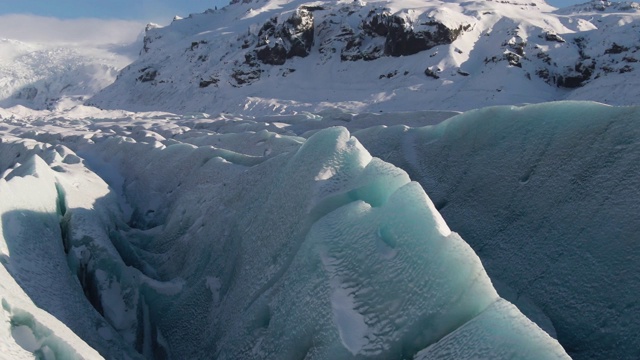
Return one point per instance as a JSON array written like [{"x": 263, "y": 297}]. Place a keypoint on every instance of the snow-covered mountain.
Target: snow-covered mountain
[
  {"x": 294, "y": 55},
  {"x": 48, "y": 76}
]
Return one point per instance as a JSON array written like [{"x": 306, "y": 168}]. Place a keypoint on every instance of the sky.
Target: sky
[
  {"x": 160, "y": 11},
  {"x": 138, "y": 10}
]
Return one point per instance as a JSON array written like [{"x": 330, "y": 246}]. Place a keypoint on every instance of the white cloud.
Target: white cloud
[{"x": 48, "y": 30}]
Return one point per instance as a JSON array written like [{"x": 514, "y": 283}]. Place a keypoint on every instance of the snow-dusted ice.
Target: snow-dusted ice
[
  {"x": 318, "y": 193},
  {"x": 152, "y": 235},
  {"x": 548, "y": 197}
]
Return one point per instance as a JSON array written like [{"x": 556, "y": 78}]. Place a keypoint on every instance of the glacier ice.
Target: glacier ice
[
  {"x": 221, "y": 249},
  {"x": 547, "y": 196}
]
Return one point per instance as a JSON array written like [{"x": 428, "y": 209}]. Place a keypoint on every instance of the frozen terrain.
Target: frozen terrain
[
  {"x": 47, "y": 63},
  {"x": 321, "y": 188},
  {"x": 548, "y": 197},
  {"x": 159, "y": 236},
  {"x": 223, "y": 236},
  {"x": 257, "y": 56}
]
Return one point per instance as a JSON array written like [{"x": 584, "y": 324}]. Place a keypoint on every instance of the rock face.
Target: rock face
[
  {"x": 279, "y": 42},
  {"x": 400, "y": 39}
]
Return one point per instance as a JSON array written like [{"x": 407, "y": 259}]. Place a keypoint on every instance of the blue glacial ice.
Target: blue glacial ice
[
  {"x": 547, "y": 195},
  {"x": 317, "y": 250}
]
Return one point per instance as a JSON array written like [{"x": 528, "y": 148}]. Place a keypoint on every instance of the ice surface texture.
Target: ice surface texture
[
  {"x": 548, "y": 197},
  {"x": 271, "y": 247}
]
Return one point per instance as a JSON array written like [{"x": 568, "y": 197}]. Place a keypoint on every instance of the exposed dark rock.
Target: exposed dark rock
[
  {"x": 516, "y": 44},
  {"x": 493, "y": 59},
  {"x": 462, "y": 72},
  {"x": 607, "y": 69},
  {"x": 585, "y": 68},
  {"x": 354, "y": 51},
  {"x": 377, "y": 25},
  {"x": 544, "y": 74},
  {"x": 544, "y": 57},
  {"x": 625, "y": 69},
  {"x": 513, "y": 59},
  {"x": 196, "y": 44},
  {"x": 292, "y": 38},
  {"x": 581, "y": 73},
  {"x": 616, "y": 49},
  {"x": 250, "y": 59},
  {"x": 389, "y": 75},
  {"x": 149, "y": 37},
  {"x": 272, "y": 55},
  {"x": 551, "y": 36},
  {"x": 312, "y": 8},
  {"x": 630, "y": 59},
  {"x": 243, "y": 77},
  {"x": 298, "y": 30},
  {"x": 400, "y": 38},
  {"x": 211, "y": 81},
  {"x": 581, "y": 42},
  {"x": 147, "y": 74},
  {"x": 570, "y": 81},
  {"x": 432, "y": 73}
]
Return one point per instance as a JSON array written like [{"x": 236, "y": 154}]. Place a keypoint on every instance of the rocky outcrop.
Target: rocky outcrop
[
  {"x": 147, "y": 74},
  {"x": 616, "y": 49},
  {"x": 281, "y": 41},
  {"x": 432, "y": 72},
  {"x": 401, "y": 38},
  {"x": 551, "y": 36}
]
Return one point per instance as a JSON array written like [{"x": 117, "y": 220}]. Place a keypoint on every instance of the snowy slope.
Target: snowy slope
[
  {"x": 46, "y": 76},
  {"x": 234, "y": 243},
  {"x": 261, "y": 57}
]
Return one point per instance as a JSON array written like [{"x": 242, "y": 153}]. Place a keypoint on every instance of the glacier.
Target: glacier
[
  {"x": 547, "y": 197},
  {"x": 150, "y": 235},
  {"x": 284, "y": 212}
]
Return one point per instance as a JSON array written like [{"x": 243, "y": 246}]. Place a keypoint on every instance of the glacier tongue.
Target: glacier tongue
[{"x": 260, "y": 246}]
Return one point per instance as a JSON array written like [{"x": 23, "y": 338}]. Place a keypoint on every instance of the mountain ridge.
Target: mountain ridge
[{"x": 291, "y": 56}]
